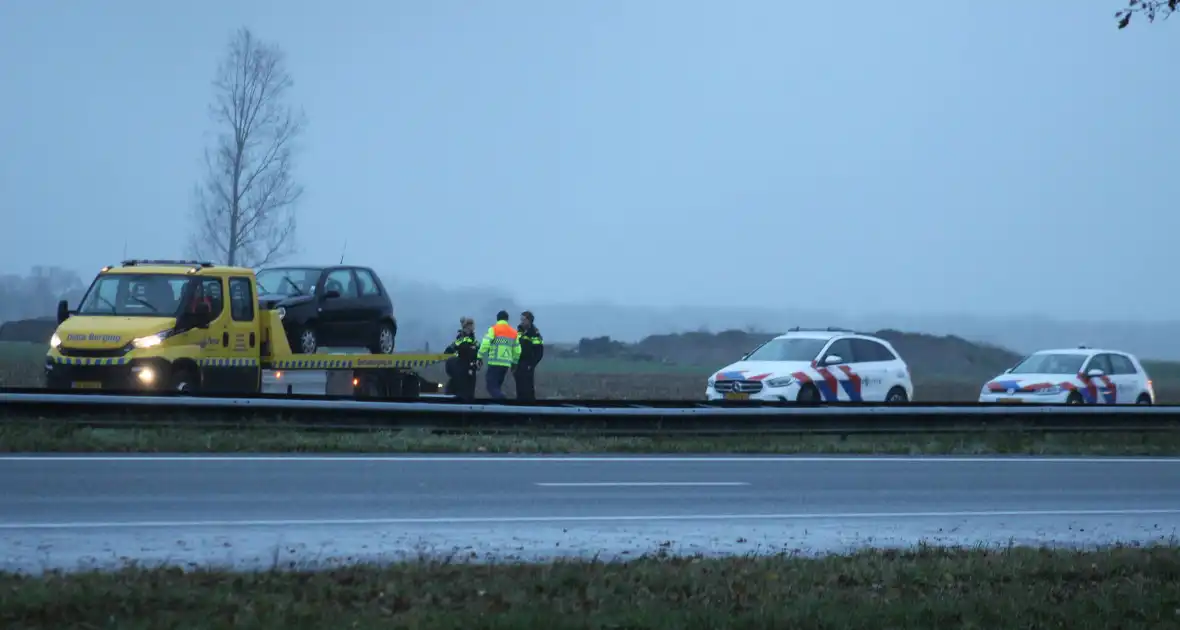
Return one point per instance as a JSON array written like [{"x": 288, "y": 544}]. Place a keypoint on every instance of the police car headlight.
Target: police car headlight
[
  {"x": 1048, "y": 391},
  {"x": 711, "y": 382},
  {"x": 54, "y": 341},
  {"x": 282, "y": 312},
  {"x": 781, "y": 381},
  {"x": 151, "y": 341}
]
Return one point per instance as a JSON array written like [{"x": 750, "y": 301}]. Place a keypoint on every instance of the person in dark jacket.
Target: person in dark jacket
[
  {"x": 532, "y": 349},
  {"x": 462, "y": 367}
]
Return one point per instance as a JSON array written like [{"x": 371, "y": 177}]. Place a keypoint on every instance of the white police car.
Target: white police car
[
  {"x": 1074, "y": 376},
  {"x": 828, "y": 365}
]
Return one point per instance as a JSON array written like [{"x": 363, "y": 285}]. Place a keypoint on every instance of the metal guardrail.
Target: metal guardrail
[{"x": 598, "y": 417}]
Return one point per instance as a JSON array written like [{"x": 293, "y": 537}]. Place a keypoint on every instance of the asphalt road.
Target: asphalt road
[{"x": 61, "y": 511}]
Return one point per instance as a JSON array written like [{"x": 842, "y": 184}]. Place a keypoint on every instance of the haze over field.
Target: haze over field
[{"x": 941, "y": 167}]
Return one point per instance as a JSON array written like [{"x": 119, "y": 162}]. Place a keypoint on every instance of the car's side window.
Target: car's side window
[
  {"x": 241, "y": 307},
  {"x": 871, "y": 351},
  {"x": 841, "y": 348},
  {"x": 1099, "y": 362},
  {"x": 366, "y": 283},
  {"x": 1121, "y": 364},
  {"x": 340, "y": 281}
]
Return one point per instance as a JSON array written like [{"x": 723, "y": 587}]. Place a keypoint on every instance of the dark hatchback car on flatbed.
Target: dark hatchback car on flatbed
[{"x": 337, "y": 306}]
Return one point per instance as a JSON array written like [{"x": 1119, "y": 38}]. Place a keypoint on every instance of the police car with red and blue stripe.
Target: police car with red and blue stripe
[
  {"x": 817, "y": 365},
  {"x": 1075, "y": 376}
]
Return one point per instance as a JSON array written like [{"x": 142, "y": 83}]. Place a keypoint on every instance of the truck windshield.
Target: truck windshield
[
  {"x": 287, "y": 281},
  {"x": 129, "y": 295},
  {"x": 1050, "y": 363},
  {"x": 788, "y": 349}
]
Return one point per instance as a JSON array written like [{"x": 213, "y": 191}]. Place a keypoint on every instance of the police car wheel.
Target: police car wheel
[
  {"x": 1075, "y": 399},
  {"x": 808, "y": 394},
  {"x": 1144, "y": 399},
  {"x": 896, "y": 395}
]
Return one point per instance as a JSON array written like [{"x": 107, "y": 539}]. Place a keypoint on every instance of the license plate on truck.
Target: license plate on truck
[
  {"x": 87, "y": 385},
  {"x": 737, "y": 396}
]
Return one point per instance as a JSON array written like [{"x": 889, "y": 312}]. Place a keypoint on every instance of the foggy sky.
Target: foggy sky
[{"x": 926, "y": 156}]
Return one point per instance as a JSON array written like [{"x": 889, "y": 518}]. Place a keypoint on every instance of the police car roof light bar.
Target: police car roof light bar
[
  {"x": 828, "y": 329},
  {"x": 185, "y": 263}
]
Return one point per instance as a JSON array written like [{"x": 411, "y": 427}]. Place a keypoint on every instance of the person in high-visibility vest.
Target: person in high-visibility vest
[{"x": 500, "y": 351}]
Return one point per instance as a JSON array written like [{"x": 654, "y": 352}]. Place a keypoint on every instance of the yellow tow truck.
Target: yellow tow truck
[{"x": 192, "y": 326}]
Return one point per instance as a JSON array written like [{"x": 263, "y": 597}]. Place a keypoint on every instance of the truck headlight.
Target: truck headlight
[
  {"x": 151, "y": 341},
  {"x": 282, "y": 312},
  {"x": 54, "y": 341},
  {"x": 781, "y": 381}
]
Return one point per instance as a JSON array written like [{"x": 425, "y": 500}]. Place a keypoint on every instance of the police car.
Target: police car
[
  {"x": 1075, "y": 376},
  {"x": 827, "y": 365}
]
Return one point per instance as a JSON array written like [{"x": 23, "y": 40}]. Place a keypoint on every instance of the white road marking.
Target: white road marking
[
  {"x": 640, "y": 484},
  {"x": 534, "y": 459},
  {"x": 458, "y": 520}
]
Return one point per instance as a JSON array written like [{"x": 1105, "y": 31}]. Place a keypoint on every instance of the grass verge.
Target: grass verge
[
  {"x": 1122, "y": 587},
  {"x": 60, "y": 437}
]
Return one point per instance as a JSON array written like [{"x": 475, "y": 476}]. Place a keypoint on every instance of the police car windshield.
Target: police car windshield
[
  {"x": 130, "y": 295},
  {"x": 288, "y": 281},
  {"x": 789, "y": 349},
  {"x": 1050, "y": 363}
]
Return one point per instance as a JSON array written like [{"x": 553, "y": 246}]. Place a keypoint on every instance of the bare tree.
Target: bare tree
[
  {"x": 245, "y": 208},
  {"x": 1150, "y": 9}
]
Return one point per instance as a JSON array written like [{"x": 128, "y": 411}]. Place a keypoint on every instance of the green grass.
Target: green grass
[
  {"x": 1163, "y": 370},
  {"x": 23, "y": 436},
  {"x": 21, "y": 364},
  {"x": 616, "y": 366},
  {"x": 1123, "y": 587}
]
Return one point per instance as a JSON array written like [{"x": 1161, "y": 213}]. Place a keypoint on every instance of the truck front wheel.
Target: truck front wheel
[{"x": 185, "y": 381}]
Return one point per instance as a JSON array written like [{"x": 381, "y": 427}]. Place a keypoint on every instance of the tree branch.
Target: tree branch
[
  {"x": 1149, "y": 9},
  {"x": 245, "y": 208}
]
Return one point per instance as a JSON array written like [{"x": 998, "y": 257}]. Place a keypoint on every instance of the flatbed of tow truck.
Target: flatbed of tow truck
[{"x": 368, "y": 375}]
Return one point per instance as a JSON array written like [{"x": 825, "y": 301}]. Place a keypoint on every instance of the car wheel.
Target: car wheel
[
  {"x": 808, "y": 394},
  {"x": 307, "y": 340},
  {"x": 1144, "y": 399},
  {"x": 1075, "y": 399},
  {"x": 896, "y": 395},
  {"x": 385, "y": 339}
]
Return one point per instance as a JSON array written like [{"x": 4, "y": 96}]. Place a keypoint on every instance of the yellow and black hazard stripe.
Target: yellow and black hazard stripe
[
  {"x": 90, "y": 360},
  {"x": 339, "y": 364},
  {"x": 227, "y": 362}
]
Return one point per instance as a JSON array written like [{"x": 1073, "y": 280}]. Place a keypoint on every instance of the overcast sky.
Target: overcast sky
[{"x": 983, "y": 157}]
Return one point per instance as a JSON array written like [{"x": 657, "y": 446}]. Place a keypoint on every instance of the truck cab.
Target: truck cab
[{"x": 190, "y": 326}]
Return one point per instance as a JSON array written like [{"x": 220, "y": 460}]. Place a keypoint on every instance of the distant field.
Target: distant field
[
  {"x": 616, "y": 366},
  {"x": 21, "y": 365}
]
